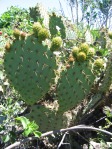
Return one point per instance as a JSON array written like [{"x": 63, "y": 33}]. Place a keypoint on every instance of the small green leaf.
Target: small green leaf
[
  {"x": 24, "y": 121},
  {"x": 2, "y": 128},
  {"x": 33, "y": 125},
  {"x": 37, "y": 134},
  {"x": 27, "y": 132},
  {"x": 6, "y": 138}
]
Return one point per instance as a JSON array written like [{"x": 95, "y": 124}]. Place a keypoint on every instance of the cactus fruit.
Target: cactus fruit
[
  {"x": 99, "y": 63},
  {"x": 57, "y": 25},
  {"x": 84, "y": 47},
  {"x": 110, "y": 34},
  {"x": 36, "y": 27},
  {"x": 81, "y": 56},
  {"x": 46, "y": 118},
  {"x": 43, "y": 34},
  {"x": 91, "y": 52},
  {"x": 16, "y": 33},
  {"x": 74, "y": 84},
  {"x": 30, "y": 68},
  {"x": 56, "y": 43},
  {"x": 75, "y": 51},
  {"x": 104, "y": 87},
  {"x": 71, "y": 59},
  {"x": 8, "y": 46}
]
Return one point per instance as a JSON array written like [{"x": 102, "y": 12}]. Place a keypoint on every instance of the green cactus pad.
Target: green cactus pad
[
  {"x": 47, "y": 119},
  {"x": 107, "y": 80},
  {"x": 30, "y": 67},
  {"x": 74, "y": 84},
  {"x": 54, "y": 22}
]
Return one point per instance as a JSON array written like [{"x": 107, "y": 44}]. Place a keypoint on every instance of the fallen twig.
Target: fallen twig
[{"x": 77, "y": 128}]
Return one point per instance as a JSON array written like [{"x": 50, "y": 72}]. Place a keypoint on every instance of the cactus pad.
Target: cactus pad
[
  {"x": 56, "y": 22},
  {"x": 47, "y": 119},
  {"x": 39, "y": 13},
  {"x": 30, "y": 67},
  {"x": 107, "y": 80},
  {"x": 74, "y": 84}
]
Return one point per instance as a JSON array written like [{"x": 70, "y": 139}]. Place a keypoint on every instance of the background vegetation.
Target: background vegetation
[{"x": 91, "y": 26}]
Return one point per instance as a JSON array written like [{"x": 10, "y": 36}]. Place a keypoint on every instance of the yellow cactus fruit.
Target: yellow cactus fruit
[
  {"x": 99, "y": 63},
  {"x": 75, "y": 51},
  {"x": 56, "y": 43},
  {"x": 91, "y": 52},
  {"x": 16, "y": 33},
  {"x": 110, "y": 34},
  {"x": 37, "y": 27},
  {"x": 84, "y": 47},
  {"x": 81, "y": 56},
  {"x": 8, "y": 46},
  {"x": 71, "y": 59},
  {"x": 43, "y": 34}
]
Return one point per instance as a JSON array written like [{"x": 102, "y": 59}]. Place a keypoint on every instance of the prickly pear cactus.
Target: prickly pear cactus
[
  {"x": 104, "y": 86},
  {"x": 35, "y": 13},
  {"x": 56, "y": 26},
  {"x": 46, "y": 118},
  {"x": 30, "y": 67},
  {"x": 76, "y": 79},
  {"x": 74, "y": 84},
  {"x": 39, "y": 13},
  {"x": 107, "y": 80}
]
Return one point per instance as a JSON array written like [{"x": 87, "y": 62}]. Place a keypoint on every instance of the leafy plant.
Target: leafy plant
[
  {"x": 10, "y": 123},
  {"x": 15, "y": 17},
  {"x": 29, "y": 127},
  {"x": 108, "y": 118},
  {"x": 9, "y": 110}
]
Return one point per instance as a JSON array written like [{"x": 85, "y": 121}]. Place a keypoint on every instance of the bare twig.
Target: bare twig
[
  {"x": 79, "y": 127},
  {"x": 61, "y": 142},
  {"x": 84, "y": 139},
  {"x": 20, "y": 142},
  {"x": 74, "y": 128}
]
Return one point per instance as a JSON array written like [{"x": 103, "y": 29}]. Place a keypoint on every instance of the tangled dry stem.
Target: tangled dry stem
[{"x": 74, "y": 128}]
